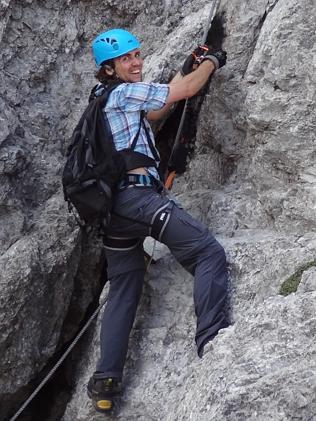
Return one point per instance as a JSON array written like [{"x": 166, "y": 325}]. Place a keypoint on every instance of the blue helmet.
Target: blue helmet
[{"x": 112, "y": 44}]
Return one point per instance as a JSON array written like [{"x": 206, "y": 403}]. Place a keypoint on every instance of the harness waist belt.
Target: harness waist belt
[{"x": 139, "y": 180}]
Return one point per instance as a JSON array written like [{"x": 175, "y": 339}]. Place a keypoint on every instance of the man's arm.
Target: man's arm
[
  {"x": 184, "y": 87},
  {"x": 159, "y": 114},
  {"x": 191, "y": 83}
]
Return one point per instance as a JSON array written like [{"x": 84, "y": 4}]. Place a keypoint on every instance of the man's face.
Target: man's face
[{"x": 129, "y": 66}]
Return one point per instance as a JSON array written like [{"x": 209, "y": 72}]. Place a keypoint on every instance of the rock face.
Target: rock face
[
  {"x": 262, "y": 367},
  {"x": 252, "y": 180}
]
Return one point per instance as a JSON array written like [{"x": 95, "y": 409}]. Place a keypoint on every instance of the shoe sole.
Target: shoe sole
[{"x": 103, "y": 405}]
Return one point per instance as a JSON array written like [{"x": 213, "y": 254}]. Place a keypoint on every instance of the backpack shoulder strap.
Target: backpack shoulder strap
[
  {"x": 134, "y": 142},
  {"x": 103, "y": 99},
  {"x": 150, "y": 142}
]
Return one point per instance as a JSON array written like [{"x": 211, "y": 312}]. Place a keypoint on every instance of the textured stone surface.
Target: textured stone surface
[
  {"x": 262, "y": 367},
  {"x": 40, "y": 246},
  {"x": 252, "y": 180},
  {"x": 308, "y": 281}
]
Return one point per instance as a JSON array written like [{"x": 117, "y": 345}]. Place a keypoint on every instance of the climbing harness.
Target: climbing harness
[{"x": 172, "y": 174}]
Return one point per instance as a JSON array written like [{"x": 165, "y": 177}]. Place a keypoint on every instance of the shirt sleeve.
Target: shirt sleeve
[{"x": 138, "y": 96}]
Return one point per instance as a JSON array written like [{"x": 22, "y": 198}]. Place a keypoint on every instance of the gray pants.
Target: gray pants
[{"x": 193, "y": 247}]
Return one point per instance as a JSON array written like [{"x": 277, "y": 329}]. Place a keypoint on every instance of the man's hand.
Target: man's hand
[
  {"x": 193, "y": 58},
  {"x": 187, "y": 66},
  {"x": 200, "y": 54}
]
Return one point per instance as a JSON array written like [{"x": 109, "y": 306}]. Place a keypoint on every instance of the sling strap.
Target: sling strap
[{"x": 149, "y": 140}]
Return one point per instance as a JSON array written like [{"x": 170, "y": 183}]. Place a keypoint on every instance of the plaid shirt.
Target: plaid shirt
[{"x": 123, "y": 113}]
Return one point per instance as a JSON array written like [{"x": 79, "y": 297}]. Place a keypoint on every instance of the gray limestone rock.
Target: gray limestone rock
[
  {"x": 252, "y": 180},
  {"x": 308, "y": 281},
  {"x": 262, "y": 366}
]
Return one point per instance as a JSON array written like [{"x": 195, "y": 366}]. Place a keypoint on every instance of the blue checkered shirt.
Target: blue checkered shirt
[{"x": 123, "y": 109}]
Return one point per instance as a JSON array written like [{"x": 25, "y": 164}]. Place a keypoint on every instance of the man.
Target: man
[{"x": 141, "y": 208}]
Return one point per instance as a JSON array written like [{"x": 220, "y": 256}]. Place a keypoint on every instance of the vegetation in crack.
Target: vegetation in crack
[{"x": 291, "y": 284}]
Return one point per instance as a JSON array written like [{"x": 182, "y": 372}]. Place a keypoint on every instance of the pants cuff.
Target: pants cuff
[{"x": 99, "y": 375}]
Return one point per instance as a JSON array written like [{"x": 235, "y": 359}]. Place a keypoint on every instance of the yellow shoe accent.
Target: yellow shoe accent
[{"x": 104, "y": 404}]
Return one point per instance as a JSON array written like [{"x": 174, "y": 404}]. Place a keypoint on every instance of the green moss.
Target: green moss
[{"x": 292, "y": 282}]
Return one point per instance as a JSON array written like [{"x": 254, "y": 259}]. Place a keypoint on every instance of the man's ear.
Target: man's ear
[{"x": 109, "y": 70}]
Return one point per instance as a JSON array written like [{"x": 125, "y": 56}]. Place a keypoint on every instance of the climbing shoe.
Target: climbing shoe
[{"x": 105, "y": 393}]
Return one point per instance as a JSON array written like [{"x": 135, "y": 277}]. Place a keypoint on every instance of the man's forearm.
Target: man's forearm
[
  {"x": 184, "y": 87},
  {"x": 177, "y": 77},
  {"x": 191, "y": 83}
]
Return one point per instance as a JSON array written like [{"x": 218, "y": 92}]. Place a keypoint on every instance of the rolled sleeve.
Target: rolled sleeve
[{"x": 139, "y": 96}]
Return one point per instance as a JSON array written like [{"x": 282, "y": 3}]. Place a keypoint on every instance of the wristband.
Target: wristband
[{"x": 213, "y": 59}]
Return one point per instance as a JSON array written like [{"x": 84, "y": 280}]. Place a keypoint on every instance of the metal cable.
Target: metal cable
[
  {"x": 59, "y": 362},
  {"x": 213, "y": 10},
  {"x": 73, "y": 344}
]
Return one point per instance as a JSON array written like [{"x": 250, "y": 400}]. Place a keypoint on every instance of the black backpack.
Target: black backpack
[{"x": 93, "y": 167}]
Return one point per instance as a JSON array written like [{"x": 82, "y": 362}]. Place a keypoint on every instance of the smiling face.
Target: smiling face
[{"x": 129, "y": 66}]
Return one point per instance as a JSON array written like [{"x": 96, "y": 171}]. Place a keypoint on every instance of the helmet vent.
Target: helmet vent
[{"x": 113, "y": 43}]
